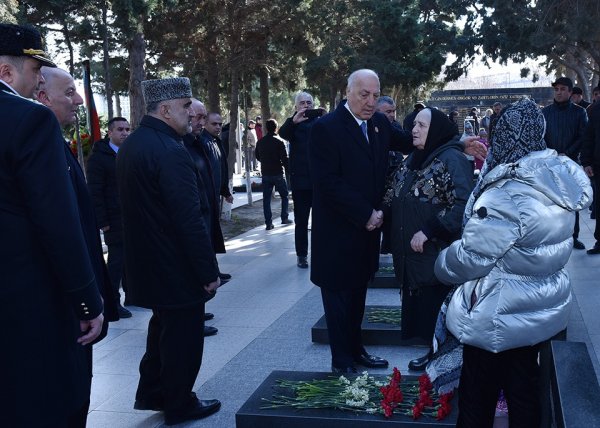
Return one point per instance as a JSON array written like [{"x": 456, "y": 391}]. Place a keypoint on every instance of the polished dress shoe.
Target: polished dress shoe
[
  {"x": 595, "y": 249},
  {"x": 578, "y": 245},
  {"x": 224, "y": 276},
  {"x": 371, "y": 361},
  {"x": 419, "y": 364},
  {"x": 287, "y": 221},
  {"x": 124, "y": 313},
  {"x": 208, "y": 316},
  {"x": 269, "y": 227},
  {"x": 210, "y": 331},
  {"x": 198, "y": 410},
  {"x": 302, "y": 262},
  {"x": 349, "y": 369}
]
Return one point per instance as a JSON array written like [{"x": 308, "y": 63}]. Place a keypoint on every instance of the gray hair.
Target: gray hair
[
  {"x": 384, "y": 99},
  {"x": 360, "y": 73},
  {"x": 302, "y": 94}
]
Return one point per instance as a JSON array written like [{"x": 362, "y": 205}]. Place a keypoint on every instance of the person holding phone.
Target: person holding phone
[{"x": 296, "y": 130}]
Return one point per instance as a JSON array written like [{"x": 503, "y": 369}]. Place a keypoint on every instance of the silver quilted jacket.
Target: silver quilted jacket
[{"x": 512, "y": 254}]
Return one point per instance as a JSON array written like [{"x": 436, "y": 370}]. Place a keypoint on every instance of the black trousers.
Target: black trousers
[
  {"x": 302, "y": 206},
  {"x": 344, "y": 311},
  {"x": 173, "y": 357},
  {"x": 484, "y": 374},
  {"x": 114, "y": 264},
  {"x": 576, "y": 228}
]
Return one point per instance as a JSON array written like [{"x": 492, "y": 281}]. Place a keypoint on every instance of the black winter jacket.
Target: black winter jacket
[
  {"x": 102, "y": 184},
  {"x": 590, "y": 150},
  {"x": 297, "y": 135},
  {"x": 168, "y": 253},
  {"x": 565, "y": 124},
  {"x": 270, "y": 151},
  {"x": 431, "y": 200}
]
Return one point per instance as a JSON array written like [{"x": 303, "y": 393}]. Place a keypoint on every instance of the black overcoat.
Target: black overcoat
[
  {"x": 168, "y": 251},
  {"x": 47, "y": 282},
  {"x": 102, "y": 185},
  {"x": 348, "y": 176}
]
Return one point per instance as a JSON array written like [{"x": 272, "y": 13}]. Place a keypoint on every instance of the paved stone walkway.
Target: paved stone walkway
[{"x": 264, "y": 316}]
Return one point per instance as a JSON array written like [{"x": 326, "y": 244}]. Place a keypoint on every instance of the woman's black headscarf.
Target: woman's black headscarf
[{"x": 441, "y": 130}]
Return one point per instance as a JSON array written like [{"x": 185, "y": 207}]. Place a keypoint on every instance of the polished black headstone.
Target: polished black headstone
[
  {"x": 372, "y": 333},
  {"x": 385, "y": 277},
  {"x": 251, "y": 415}
]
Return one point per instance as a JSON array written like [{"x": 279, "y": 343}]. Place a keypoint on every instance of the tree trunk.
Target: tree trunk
[
  {"x": 212, "y": 76},
  {"x": 233, "y": 120},
  {"x": 263, "y": 74},
  {"x": 67, "y": 37},
  {"x": 265, "y": 106},
  {"x": 137, "y": 53},
  {"x": 118, "y": 105},
  {"x": 105, "y": 62}
]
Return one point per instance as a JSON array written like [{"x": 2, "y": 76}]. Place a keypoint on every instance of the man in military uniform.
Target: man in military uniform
[{"x": 50, "y": 305}]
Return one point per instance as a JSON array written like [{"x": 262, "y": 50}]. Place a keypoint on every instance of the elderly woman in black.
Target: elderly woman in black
[{"x": 427, "y": 199}]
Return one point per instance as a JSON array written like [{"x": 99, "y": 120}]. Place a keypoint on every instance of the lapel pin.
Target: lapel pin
[{"x": 376, "y": 130}]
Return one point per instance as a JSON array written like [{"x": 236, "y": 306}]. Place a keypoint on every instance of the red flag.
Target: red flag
[{"x": 92, "y": 115}]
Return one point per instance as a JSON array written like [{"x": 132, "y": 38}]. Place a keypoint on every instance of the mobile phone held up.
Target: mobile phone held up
[{"x": 313, "y": 112}]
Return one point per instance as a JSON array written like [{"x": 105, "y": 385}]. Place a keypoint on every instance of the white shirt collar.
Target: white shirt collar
[
  {"x": 112, "y": 146},
  {"x": 359, "y": 121}
]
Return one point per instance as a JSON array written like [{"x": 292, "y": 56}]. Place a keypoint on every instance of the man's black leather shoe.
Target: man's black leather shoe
[
  {"x": 371, "y": 361},
  {"x": 269, "y": 227},
  {"x": 578, "y": 245},
  {"x": 287, "y": 221},
  {"x": 302, "y": 262},
  {"x": 210, "y": 331},
  {"x": 208, "y": 316},
  {"x": 198, "y": 410},
  {"x": 224, "y": 276},
  {"x": 349, "y": 369},
  {"x": 595, "y": 249},
  {"x": 419, "y": 364}
]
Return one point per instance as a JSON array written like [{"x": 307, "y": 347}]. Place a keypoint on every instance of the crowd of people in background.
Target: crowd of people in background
[{"x": 156, "y": 192}]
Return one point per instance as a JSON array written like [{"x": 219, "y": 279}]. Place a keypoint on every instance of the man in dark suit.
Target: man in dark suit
[
  {"x": 170, "y": 264},
  {"x": 102, "y": 184},
  {"x": 50, "y": 305},
  {"x": 348, "y": 165}
]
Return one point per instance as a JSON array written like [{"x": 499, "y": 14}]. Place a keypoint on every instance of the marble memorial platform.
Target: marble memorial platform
[
  {"x": 251, "y": 415},
  {"x": 372, "y": 333}
]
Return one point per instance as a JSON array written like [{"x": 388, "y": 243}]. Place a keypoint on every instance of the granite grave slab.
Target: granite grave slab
[{"x": 252, "y": 415}]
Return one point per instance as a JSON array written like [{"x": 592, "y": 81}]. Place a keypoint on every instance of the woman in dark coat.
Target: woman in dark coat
[{"x": 427, "y": 199}]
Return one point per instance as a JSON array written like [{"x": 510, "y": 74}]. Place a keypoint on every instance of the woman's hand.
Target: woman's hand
[
  {"x": 417, "y": 241},
  {"x": 474, "y": 148}
]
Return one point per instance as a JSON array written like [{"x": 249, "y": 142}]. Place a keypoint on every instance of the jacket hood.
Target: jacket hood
[{"x": 557, "y": 177}]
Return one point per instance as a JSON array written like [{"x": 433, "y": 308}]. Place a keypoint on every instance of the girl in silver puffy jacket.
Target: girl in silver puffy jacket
[{"x": 510, "y": 261}]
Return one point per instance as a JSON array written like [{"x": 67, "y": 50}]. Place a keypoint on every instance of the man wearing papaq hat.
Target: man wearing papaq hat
[
  {"x": 50, "y": 307},
  {"x": 170, "y": 264}
]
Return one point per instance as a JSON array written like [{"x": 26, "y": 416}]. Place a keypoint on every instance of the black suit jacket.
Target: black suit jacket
[
  {"x": 348, "y": 175},
  {"x": 47, "y": 283},
  {"x": 168, "y": 251}
]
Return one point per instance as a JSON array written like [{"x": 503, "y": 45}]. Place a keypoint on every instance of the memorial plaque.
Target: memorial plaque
[
  {"x": 253, "y": 415},
  {"x": 373, "y": 333}
]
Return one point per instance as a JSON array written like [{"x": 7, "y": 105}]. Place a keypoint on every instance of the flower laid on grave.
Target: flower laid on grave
[
  {"x": 386, "y": 269},
  {"x": 391, "y": 315},
  {"x": 386, "y": 395}
]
